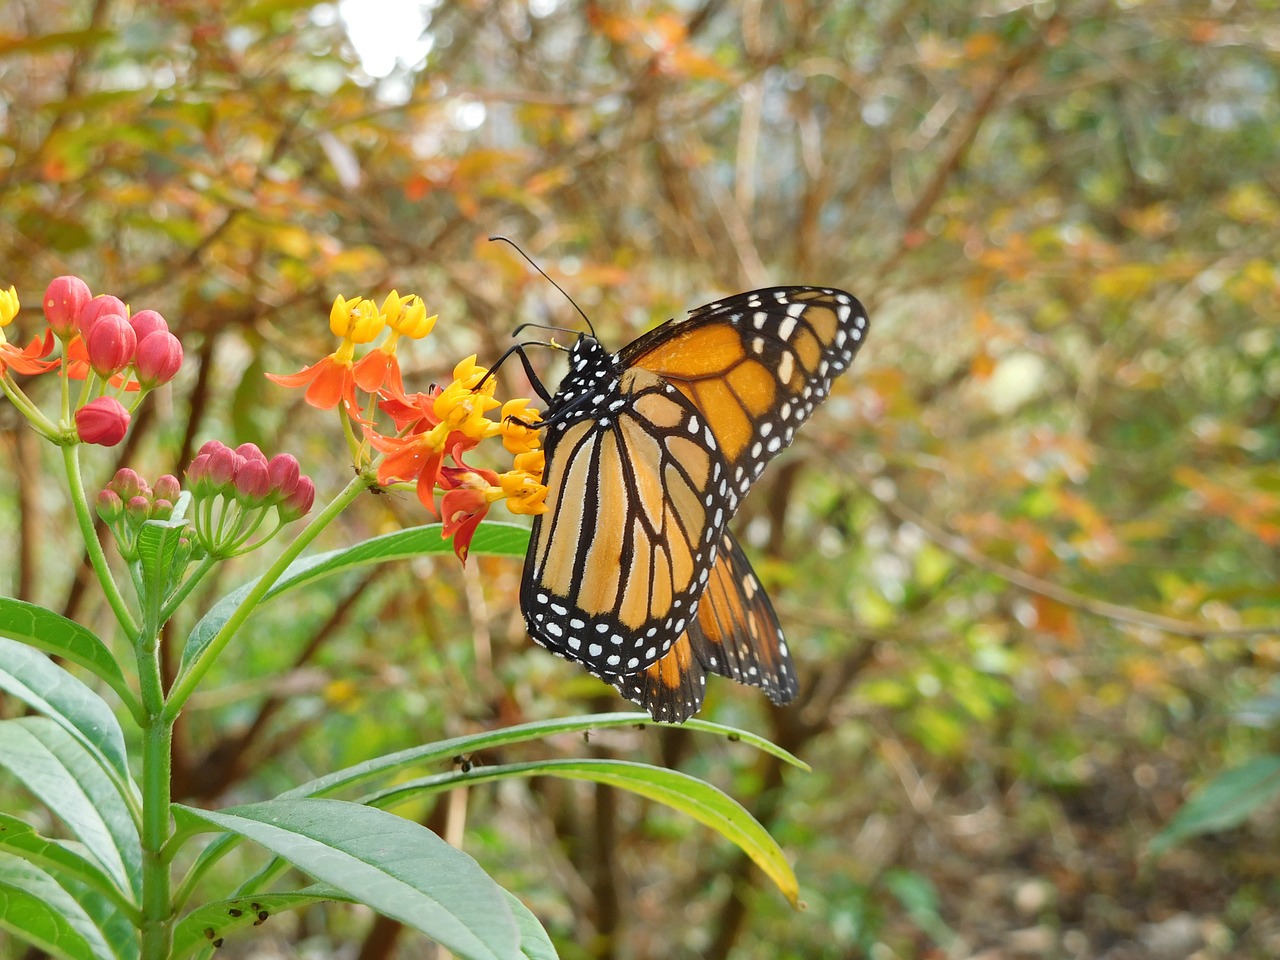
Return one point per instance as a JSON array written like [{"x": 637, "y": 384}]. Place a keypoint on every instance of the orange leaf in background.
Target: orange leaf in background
[
  {"x": 982, "y": 365},
  {"x": 1057, "y": 619}
]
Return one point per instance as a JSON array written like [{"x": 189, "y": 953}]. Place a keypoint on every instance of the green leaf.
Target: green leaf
[
  {"x": 521, "y": 733},
  {"x": 700, "y": 800},
  {"x": 1224, "y": 802},
  {"x": 491, "y": 539},
  {"x": 62, "y": 858},
  {"x": 44, "y": 686},
  {"x": 215, "y": 920},
  {"x": 398, "y": 762},
  {"x": 534, "y": 942},
  {"x": 71, "y": 782},
  {"x": 159, "y": 545},
  {"x": 399, "y": 868},
  {"x": 36, "y": 909},
  {"x": 45, "y": 630}
]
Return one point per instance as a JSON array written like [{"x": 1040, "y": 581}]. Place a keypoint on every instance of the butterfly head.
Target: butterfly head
[{"x": 590, "y": 384}]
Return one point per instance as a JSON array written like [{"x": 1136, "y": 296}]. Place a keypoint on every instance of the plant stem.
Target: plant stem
[
  {"x": 157, "y": 930},
  {"x": 71, "y": 461},
  {"x": 187, "y": 681}
]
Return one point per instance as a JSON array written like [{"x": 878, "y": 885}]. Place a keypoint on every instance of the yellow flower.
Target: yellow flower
[
  {"x": 356, "y": 321},
  {"x": 522, "y": 485},
  {"x": 519, "y": 435},
  {"x": 407, "y": 316},
  {"x": 9, "y": 306}
]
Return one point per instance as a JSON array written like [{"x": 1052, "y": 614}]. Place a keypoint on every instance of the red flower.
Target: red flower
[
  {"x": 28, "y": 360},
  {"x": 463, "y": 507},
  {"x": 329, "y": 382}
]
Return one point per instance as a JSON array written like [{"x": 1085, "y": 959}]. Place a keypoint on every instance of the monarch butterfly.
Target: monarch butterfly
[{"x": 632, "y": 571}]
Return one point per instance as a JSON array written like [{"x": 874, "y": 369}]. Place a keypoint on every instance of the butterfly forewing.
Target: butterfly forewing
[
  {"x": 756, "y": 365},
  {"x": 620, "y": 558}
]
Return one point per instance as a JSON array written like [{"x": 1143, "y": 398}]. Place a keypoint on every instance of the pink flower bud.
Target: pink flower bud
[
  {"x": 103, "y": 421},
  {"x": 110, "y": 506},
  {"x": 251, "y": 482},
  {"x": 127, "y": 483},
  {"x": 147, "y": 322},
  {"x": 198, "y": 474},
  {"x": 167, "y": 488},
  {"x": 158, "y": 359},
  {"x": 161, "y": 509},
  {"x": 223, "y": 463},
  {"x": 138, "y": 509},
  {"x": 209, "y": 446},
  {"x": 298, "y": 503},
  {"x": 251, "y": 451},
  {"x": 110, "y": 344},
  {"x": 64, "y": 299},
  {"x": 284, "y": 473},
  {"x": 95, "y": 308}
]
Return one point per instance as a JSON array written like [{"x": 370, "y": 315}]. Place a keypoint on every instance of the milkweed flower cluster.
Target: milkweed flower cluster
[
  {"x": 432, "y": 431},
  {"x": 115, "y": 353},
  {"x": 237, "y": 491},
  {"x": 128, "y": 501}
]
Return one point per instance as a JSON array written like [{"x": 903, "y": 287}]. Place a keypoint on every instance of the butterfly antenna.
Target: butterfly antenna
[{"x": 517, "y": 249}]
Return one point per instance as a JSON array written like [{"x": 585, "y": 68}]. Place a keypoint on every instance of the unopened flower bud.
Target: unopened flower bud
[
  {"x": 251, "y": 482},
  {"x": 110, "y": 506},
  {"x": 127, "y": 483},
  {"x": 161, "y": 509},
  {"x": 251, "y": 451},
  {"x": 110, "y": 344},
  {"x": 198, "y": 475},
  {"x": 103, "y": 421},
  {"x": 223, "y": 463},
  {"x": 147, "y": 322},
  {"x": 167, "y": 488},
  {"x": 64, "y": 299},
  {"x": 138, "y": 509},
  {"x": 97, "y": 307},
  {"x": 158, "y": 358},
  {"x": 298, "y": 503},
  {"x": 284, "y": 473}
]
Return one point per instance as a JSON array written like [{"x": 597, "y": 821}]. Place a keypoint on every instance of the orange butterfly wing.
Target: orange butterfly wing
[{"x": 736, "y": 634}]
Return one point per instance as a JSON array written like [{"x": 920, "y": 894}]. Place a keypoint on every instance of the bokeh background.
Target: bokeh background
[{"x": 1026, "y": 554}]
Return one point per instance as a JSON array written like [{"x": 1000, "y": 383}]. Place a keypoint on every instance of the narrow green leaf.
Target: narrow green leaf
[
  {"x": 700, "y": 800},
  {"x": 36, "y": 909},
  {"x": 1224, "y": 802},
  {"x": 397, "y": 867},
  {"x": 492, "y": 539},
  {"x": 45, "y": 630},
  {"x": 61, "y": 858},
  {"x": 522, "y": 733},
  {"x": 67, "y": 779},
  {"x": 534, "y": 942},
  {"x": 397, "y": 763},
  {"x": 215, "y": 920}
]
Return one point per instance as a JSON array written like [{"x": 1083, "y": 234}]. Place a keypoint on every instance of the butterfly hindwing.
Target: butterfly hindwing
[{"x": 736, "y": 634}]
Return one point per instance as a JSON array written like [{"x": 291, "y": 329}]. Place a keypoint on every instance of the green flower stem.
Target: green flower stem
[
  {"x": 25, "y": 407},
  {"x": 157, "y": 913},
  {"x": 71, "y": 460},
  {"x": 184, "y": 591},
  {"x": 187, "y": 681}
]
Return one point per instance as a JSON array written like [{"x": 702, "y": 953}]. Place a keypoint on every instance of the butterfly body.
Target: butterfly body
[{"x": 632, "y": 571}]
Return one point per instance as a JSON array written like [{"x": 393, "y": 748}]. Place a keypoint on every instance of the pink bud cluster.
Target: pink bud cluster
[
  {"x": 127, "y": 502},
  {"x": 244, "y": 483},
  {"x": 113, "y": 339}
]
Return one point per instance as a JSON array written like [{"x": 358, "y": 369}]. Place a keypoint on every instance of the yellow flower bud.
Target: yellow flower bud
[{"x": 9, "y": 306}]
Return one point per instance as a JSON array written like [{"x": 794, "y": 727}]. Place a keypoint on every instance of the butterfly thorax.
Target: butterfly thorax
[{"x": 591, "y": 387}]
